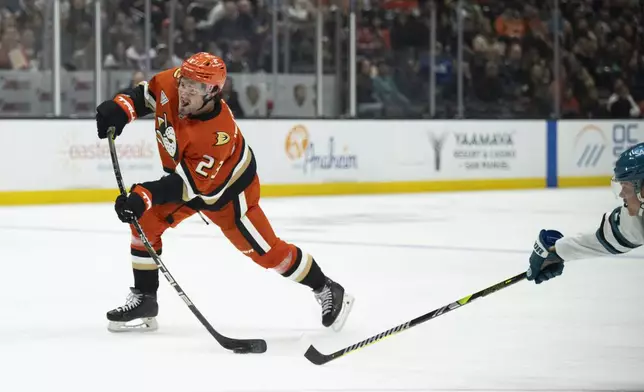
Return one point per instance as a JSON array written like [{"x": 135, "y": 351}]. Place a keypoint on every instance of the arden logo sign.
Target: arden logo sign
[
  {"x": 297, "y": 141},
  {"x": 309, "y": 156}
]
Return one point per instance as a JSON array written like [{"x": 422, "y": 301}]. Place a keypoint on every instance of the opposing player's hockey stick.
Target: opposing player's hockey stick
[
  {"x": 316, "y": 357},
  {"x": 240, "y": 346}
]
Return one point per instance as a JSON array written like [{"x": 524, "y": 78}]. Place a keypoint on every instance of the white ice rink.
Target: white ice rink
[{"x": 401, "y": 256}]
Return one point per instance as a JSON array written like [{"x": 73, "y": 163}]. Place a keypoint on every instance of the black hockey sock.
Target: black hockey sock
[
  {"x": 315, "y": 279},
  {"x": 147, "y": 281}
]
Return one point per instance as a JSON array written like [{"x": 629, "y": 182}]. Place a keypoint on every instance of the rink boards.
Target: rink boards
[{"x": 63, "y": 161}]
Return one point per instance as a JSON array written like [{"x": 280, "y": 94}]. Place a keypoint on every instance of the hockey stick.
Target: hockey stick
[
  {"x": 239, "y": 346},
  {"x": 316, "y": 357}
]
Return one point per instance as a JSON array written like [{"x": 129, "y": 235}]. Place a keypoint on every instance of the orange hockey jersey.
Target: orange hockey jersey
[{"x": 208, "y": 152}]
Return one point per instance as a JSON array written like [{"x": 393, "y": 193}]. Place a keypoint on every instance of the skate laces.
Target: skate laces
[
  {"x": 325, "y": 298},
  {"x": 132, "y": 301}
]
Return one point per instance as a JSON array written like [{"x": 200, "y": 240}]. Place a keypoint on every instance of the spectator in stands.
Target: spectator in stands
[
  {"x": 11, "y": 52},
  {"x": 247, "y": 21},
  {"x": 75, "y": 31},
  {"x": 116, "y": 58},
  {"x": 591, "y": 107},
  {"x": 162, "y": 60},
  {"x": 621, "y": 103},
  {"x": 231, "y": 97},
  {"x": 214, "y": 9},
  {"x": 386, "y": 91},
  {"x": 235, "y": 60},
  {"x": 228, "y": 28},
  {"x": 135, "y": 54},
  {"x": 300, "y": 26},
  {"x": 83, "y": 57},
  {"x": 635, "y": 75},
  {"x": 368, "y": 104},
  {"x": 190, "y": 40},
  {"x": 537, "y": 92},
  {"x": 370, "y": 41},
  {"x": 12, "y": 6},
  {"x": 120, "y": 30},
  {"x": 137, "y": 77},
  {"x": 510, "y": 24},
  {"x": 489, "y": 86},
  {"x": 570, "y": 107},
  {"x": 29, "y": 15},
  {"x": 513, "y": 73},
  {"x": 508, "y": 52},
  {"x": 29, "y": 49}
]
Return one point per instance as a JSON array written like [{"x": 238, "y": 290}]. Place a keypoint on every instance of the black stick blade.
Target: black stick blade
[{"x": 316, "y": 357}]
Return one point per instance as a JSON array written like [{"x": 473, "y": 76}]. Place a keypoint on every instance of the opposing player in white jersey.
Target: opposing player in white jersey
[{"x": 620, "y": 231}]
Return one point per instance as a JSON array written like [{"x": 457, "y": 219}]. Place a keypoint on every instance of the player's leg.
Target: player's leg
[
  {"x": 141, "y": 307},
  {"x": 244, "y": 223}
]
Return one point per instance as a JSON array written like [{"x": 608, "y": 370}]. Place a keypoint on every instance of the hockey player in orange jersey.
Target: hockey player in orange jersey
[{"x": 211, "y": 169}]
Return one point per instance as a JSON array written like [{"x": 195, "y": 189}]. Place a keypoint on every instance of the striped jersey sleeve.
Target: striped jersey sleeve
[{"x": 618, "y": 233}]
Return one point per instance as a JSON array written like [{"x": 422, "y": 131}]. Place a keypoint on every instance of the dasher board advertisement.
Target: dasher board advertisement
[{"x": 590, "y": 148}]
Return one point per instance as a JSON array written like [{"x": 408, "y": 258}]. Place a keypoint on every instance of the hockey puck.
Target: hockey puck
[{"x": 254, "y": 348}]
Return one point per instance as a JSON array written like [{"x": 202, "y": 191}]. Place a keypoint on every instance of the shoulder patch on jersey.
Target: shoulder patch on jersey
[
  {"x": 164, "y": 98},
  {"x": 177, "y": 73},
  {"x": 222, "y": 138}
]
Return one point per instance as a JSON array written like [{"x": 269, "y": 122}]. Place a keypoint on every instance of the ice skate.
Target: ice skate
[
  {"x": 138, "y": 313},
  {"x": 335, "y": 303}
]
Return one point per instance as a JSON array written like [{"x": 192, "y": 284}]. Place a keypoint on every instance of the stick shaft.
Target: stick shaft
[{"x": 313, "y": 355}]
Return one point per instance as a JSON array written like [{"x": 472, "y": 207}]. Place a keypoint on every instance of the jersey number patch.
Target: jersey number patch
[{"x": 208, "y": 163}]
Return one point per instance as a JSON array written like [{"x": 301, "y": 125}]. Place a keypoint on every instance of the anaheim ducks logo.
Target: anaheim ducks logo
[
  {"x": 222, "y": 138},
  {"x": 167, "y": 136}
]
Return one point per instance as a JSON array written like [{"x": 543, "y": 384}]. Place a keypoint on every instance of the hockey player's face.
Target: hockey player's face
[
  {"x": 628, "y": 194},
  {"x": 191, "y": 96}
]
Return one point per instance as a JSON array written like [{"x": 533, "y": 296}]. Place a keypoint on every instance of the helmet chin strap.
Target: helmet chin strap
[{"x": 206, "y": 100}]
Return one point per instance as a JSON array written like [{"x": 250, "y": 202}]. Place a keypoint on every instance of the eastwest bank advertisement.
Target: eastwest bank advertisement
[
  {"x": 68, "y": 155},
  {"x": 590, "y": 148}
]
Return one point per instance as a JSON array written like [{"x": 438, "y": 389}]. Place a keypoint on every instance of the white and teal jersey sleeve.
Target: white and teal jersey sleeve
[{"x": 618, "y": 233}]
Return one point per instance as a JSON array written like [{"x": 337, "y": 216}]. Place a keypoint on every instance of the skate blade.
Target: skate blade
[
  {"x": 347, "y": 304},
  {"x": 147, "y": 324}
]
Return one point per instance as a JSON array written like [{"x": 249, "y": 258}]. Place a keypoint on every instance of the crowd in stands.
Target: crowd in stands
[
  {"x": 509, "y": 62},
  {"x": 509, "y": 68}
]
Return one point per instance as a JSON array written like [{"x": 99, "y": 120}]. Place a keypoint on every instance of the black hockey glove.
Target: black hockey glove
[
  {"x": 109, "y": 114},
  {"x": 545, "y": 263},
  {"x": 132, "y": 206}
]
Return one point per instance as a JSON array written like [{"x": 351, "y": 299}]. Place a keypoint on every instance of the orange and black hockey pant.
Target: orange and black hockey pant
[{"x": 243, "y": 222}]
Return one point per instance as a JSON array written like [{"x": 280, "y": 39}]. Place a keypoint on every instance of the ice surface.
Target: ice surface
[{"x": 401, "y": 256}]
